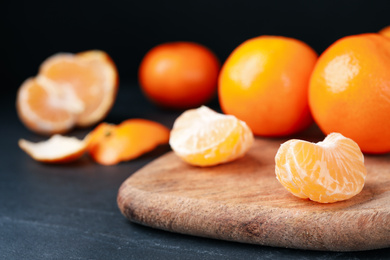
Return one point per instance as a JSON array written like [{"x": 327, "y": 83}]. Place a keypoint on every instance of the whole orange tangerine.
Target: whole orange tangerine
[
  {"x": 264, "y": 82},
  {"x": 179, "y": 75},
  {"x": 350, "y": 91}
]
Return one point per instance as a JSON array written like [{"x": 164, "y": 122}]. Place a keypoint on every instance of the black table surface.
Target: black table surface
[{"x": 70, "y": 211}]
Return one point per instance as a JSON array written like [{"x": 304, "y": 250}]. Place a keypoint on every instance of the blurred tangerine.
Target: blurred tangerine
[{"x": 179, "y": 75}]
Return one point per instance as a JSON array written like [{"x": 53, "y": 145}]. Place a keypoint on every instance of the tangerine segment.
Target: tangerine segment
[
  {"x": 57, "y": 149},
  {"x": 110, "y": 144},
  {"x": 203, "y": 137},
  {"x": 45, "y": 109},
  {"x": 91, "y": 75},
  {"x": 329, "y": 171}
]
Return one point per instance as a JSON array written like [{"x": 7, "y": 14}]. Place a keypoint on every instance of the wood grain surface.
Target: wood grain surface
[{"x": 242, "y": 201}]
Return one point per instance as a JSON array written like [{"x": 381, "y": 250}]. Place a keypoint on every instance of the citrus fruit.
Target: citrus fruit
[
  {"x": 350, "y": 91},
  {"x": 328, "y": 171},
  {"x": 385, "y": 31},
  {"x": 69, "y": 90},
  {"x": 203, "y": 137},
  {"x": 110, "y": 144},
  {"x": 179, "y": 75},
  {"x": 57, "y": 149},
  {"x": 264, "y": 82}
]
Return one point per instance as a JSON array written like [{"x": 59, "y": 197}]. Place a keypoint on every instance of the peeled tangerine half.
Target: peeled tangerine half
[
  {"x": 328, "y": 171},
  {"x": 203, "y": 137},
  {"x": 57, "y": 149},
  {"x": 70, "y": 90}
]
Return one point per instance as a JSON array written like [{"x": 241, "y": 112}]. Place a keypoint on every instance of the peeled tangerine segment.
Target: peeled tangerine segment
[
  {"x": 328, "y": 171},
  {"x": 57, "y": 149},
  {"x": 203, "y": 137}
]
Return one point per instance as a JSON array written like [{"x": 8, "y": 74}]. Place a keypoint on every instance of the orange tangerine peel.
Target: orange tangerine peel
[
  {"x": 203, "y": 137},
  {"x": 57, "y": 149},
  {"x": 110, "y": 144},
  {"x": 328, "y": 171}
]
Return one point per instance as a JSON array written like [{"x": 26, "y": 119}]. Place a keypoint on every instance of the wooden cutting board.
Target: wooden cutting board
[{"x": 243, "y": 201}]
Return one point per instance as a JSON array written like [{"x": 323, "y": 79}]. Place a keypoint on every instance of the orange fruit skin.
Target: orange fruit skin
[
  {"x": 264, "y": 82},
  {"x": 350, "y": 91},
  {"x": 110, "y": 144},
  {"x": 385, "y": 31},
  {"x": 179, "y": 75}
]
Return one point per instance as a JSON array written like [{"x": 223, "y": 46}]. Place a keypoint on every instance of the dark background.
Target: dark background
[{"x": 34, "y": 30}]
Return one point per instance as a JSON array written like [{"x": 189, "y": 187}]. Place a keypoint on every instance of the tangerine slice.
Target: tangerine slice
[
  {"x": 203, "y": 137},
  {"x": 328, "y": 171},
  {"x": 110, "y": 144},
  {"x": 57, "y": 149}
]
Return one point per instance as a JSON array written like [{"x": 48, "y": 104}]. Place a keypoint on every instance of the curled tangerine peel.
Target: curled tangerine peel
[
  {"x": 110, "y": 144},
  {"x": 329, "y": 171},
  {"x": 203, "y": 137},
  {"x": 57, "y": 149}
]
